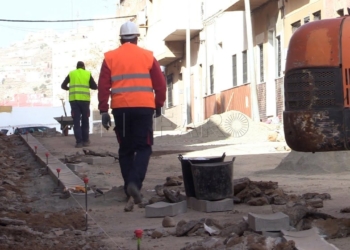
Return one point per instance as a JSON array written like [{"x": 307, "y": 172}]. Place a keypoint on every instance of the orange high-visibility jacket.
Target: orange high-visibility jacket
[{"x": 131, "y": 83}]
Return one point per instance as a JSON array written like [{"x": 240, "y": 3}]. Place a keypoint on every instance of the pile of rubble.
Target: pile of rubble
[{"x": 28, "y": 220}]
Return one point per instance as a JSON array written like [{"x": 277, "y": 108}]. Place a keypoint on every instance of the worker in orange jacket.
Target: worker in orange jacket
[{"x": 133, "y": 78}]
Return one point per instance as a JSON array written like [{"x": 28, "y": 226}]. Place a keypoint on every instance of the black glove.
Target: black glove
[
  {"x": 158, "y": 112},
  {"x": 106, "y": 120}
]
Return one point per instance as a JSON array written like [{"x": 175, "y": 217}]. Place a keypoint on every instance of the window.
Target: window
[
  {"x": 169, "y": 81},
  {"x": 261, "y": 61},
  {"x": 279, "y": 56},
  {"x": 295, "y": 26},
  {"x": 211, "y": 79},
  {"x": 306, "y": 19},
  {"x": 234, "y": 70},
  {"x": 245, "y": 66},
  {"x": 317, "y": 15}
]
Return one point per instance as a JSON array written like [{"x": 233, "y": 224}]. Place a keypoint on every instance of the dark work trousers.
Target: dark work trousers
[
  {"x": 134, "y": 131},
  {"x": 80, "y": 113}
]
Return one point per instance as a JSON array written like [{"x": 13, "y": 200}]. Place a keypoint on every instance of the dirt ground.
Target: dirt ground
[{"x": 113, "y": 228}]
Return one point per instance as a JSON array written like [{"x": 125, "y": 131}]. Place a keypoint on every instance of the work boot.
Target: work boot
[
  {"x": 134, "y": 192},
  {"x": 79, "y": 145},
  {"x": 129, "y": 205},
  {"x": 86, "y": 143}
]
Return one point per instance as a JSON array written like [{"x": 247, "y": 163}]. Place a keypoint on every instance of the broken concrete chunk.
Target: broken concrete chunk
[
  {"x": 7, "y": 221},
  {"x": 183, "y": 228},
  {"x": 315, "y": 202},
  {"x": 259, "y": 201},
  {"x": 168, "y": 222}
]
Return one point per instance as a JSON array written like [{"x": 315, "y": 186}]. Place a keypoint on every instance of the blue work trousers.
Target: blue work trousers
[
  {"x": 134, "y": 131},
  {"x": 80, "y": 113}
]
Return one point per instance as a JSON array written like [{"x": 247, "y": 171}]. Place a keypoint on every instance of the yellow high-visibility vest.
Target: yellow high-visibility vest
[{"x": 79, "y": 85}]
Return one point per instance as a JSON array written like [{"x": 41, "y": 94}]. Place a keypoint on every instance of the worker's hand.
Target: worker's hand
[
  {"x": 158, "y": 112},
  {"x": 106, "y": 120}
]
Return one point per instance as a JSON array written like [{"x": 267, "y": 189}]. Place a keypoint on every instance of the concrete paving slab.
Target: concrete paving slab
[
  {"x": 67, "y": 177},
  {"x": 210, "y": 206},
  {"x": 268, "y": 222},
  {"x": 301, "y": 234},
  {"x": 162, "y": 209},
  {"x": 308, "y": 240}
]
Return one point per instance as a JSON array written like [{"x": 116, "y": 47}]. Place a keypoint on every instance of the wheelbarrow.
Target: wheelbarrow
[{"x": 66, "y": 122}]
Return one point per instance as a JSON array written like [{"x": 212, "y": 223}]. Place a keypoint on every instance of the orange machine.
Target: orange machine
[{"x": 317, "y": 87}]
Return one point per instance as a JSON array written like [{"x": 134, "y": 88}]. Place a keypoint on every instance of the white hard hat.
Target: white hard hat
[{"x": 129, "y": 30}]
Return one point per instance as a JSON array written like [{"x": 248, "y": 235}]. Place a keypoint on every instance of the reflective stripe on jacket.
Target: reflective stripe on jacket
[
  {"x": 79, "y": 85},
  {"x": 131, "y": 82}
]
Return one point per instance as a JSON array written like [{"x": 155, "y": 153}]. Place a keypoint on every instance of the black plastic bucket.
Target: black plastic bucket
[
  {"x": 213, "y": 181},
  {"x": 187, "y": 172}
]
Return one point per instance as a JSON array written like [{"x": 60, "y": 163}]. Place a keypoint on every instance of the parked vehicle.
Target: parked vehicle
[
  {"x": 4, "y": 131},
  {"x": 30, "y": 129}
]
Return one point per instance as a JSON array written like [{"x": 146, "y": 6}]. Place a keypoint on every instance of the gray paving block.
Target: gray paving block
[
  {"x": 162, "y": 209},
  {"x": 94, "y": 160},
  {"x": 268, "y": 222},
  {"x": 210, "y": 206}
]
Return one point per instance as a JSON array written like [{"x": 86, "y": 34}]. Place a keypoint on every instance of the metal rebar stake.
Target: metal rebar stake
[{"x": 86, "y": 180}]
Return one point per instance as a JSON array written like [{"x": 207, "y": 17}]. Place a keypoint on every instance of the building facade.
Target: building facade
[{"x": 236, "y": 57}]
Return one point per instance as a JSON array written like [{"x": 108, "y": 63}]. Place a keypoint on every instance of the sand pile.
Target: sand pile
[{"x": 323, "y": 162}]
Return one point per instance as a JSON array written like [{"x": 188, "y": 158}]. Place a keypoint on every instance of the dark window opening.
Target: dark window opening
[
  {"x": 261, "y": 50},
  {"x": 279, "y": 56},
  {"x": 234, "y": 70},
  {"x": 169, "y": 81},
  {"x": 211, "y": 79},
  {"x": 317, "y": 15},
  {"x": 295, "y": 26},
  {"x": 245, "y": 66}
]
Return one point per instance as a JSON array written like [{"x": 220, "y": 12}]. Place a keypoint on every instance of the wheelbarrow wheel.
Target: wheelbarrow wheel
[{"x": 65, "y": 131}]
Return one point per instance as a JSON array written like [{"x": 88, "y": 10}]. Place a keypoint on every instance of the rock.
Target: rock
[
  {"x": 259, "y": 201},
  {"x": 289, "y": 245},
  {"x": 73, "y": 158},
  {"x": 324, "y": 196},
  {"x": 156, "y": 199},
  {"x": 236, "y": 200},
  {"x": 7, "y": 221},
  {"x": 158, "y": 233},
  {"x": 209, "y": 242},
  {"x": 100, "y": 153},
  {"x": 194, "y": 230},
  {"x": 173, "y": 181},
  {"x": 168, "y": 222},
  {"x": 255, "y": 192},
  {"x": 232, "y": 240},
  {"x": 345, "y": 210},
  {"x": 183, "y": 227},
  {"x": 213, "y": 222},
  {"x": 237, "y": 229},
  {"x": 295, "y": 214},
  {"x": 278, "y": 200},
  {"x": 315, "y": 202},
  {"x": 172, "y": 196},
  {"x": 240, "y": 184},
  {"x": 264, "y": 185},
  {"x": 9, "y": 182},
  {"x": 308, "y": 196},
  {"x": 159, "y": 190}
]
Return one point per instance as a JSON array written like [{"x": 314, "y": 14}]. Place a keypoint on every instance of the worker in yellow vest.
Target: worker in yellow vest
[
  {"x": 131, "y": 77},
  {"x": 80, "y": 82}
]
